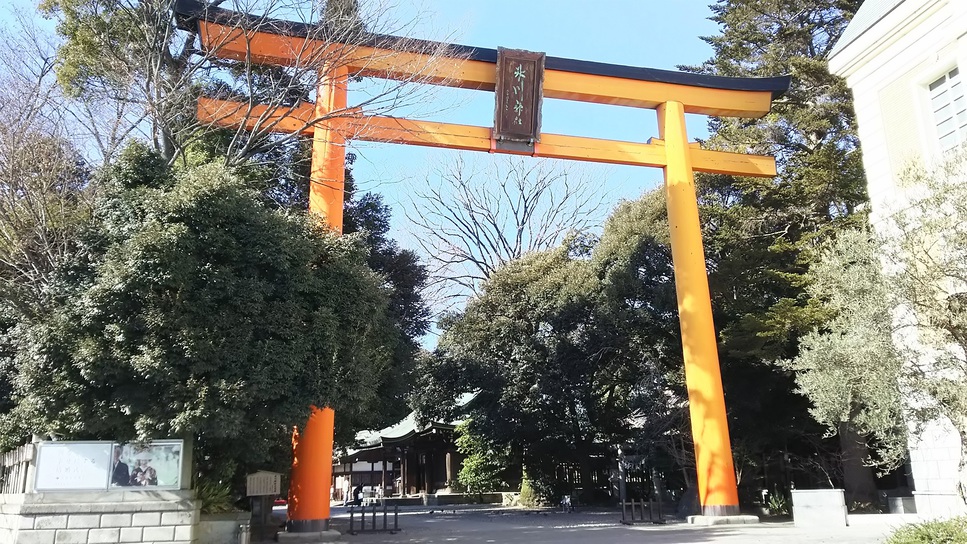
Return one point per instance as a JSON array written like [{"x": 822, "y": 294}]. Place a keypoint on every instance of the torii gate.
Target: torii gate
[{"x": 520, "y": 81}]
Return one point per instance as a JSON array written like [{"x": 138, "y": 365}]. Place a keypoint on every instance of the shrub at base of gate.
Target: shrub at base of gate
[{"x": 951, "y": 531}]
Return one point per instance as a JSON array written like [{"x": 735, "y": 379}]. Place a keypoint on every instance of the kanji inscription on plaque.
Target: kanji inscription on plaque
[{"x": 520, "y": 81}]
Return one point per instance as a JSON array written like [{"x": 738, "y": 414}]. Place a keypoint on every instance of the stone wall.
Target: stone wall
[
  {"x": 462, "y": 498},
  {"x": 112, "y": 517},
  {"x": 221, "y": 528},
  {"x": 934, "y": 459}
]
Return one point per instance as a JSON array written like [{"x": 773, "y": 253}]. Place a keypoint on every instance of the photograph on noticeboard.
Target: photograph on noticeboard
[{"x": 156, "y": 465}]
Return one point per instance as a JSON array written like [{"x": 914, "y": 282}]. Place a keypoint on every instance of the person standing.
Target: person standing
[{"x": 119, "y": 472}]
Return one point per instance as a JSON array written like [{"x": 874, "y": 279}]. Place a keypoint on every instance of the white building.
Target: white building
[{"x": 905, "y": 61}]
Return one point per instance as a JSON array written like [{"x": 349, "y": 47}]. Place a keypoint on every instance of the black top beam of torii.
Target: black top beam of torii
[{"x": 189, "y": 12}]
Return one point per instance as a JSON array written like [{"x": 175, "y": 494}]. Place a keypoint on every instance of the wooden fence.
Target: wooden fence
[{"x": 14, "y": 468}]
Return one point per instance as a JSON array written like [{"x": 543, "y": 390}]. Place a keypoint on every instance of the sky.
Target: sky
[{"x": 647, "y": 33}]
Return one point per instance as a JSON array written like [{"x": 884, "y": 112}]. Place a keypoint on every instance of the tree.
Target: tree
[
  {"x": 849, "y": 368},
  {"x": 199, "y": 312},
  {"x": 562, "y": 348},
  {"x": 45, "y": 194},
  {"x": 133, "y": 52},
  {"x": 472, "y": 221},
  {"x": 29, "y": 89},
  {"x": 45, "y": 199},
  {"x": 634, "y": 262},
  {"x": 45, "y": 191},
  {"x": 404, "y": 277},
  {"x": 761, "y": 234},
  {"x": 482, "y": 465},
  {"x": 895, "y": 354},
  {"x": 924, "y": 236}
]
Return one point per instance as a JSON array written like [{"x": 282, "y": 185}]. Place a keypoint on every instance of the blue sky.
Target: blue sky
[{"x": 650, "y": 33}]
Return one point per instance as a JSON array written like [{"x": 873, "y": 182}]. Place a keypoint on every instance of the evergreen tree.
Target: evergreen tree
[
  {"x": 405, "y": 277},
  {"x": 569, "y": 350},
  {"x": 196, "y": 311},
  {"x": 761, "y": 233},
  {"x": 280, "y": 175}
]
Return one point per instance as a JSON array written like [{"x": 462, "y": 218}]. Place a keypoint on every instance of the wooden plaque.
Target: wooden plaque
[{"x": 520, "y": 92}]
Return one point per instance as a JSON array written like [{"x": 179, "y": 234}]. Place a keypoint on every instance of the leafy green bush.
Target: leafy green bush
[
  {"x": 536, "y": 491},
  {"x": 778, "y": 504},
  {"x": 529, "y": 497},
  {"x": 481, "y": 466},
  {"x": 479, "y": 474},
  {"x": 215, "y": 497},
  {"x": 951, "y": 531}
]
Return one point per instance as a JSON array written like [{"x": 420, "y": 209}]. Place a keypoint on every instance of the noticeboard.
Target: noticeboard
[
  {"x": 99, "y": 466},
  {"x": 263, "y": 483},
  {"x": 72, "y": 466}
]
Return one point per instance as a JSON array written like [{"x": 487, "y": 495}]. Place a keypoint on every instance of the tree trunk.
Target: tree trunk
[
  {"x": 960, "y": 423},
  {"x": 587, "y": 486},
  {"x": 528, "y": 495},
  {"x": 857, "y": 477}
]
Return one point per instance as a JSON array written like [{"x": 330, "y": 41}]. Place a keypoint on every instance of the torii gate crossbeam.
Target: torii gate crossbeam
[{"x": 672, "y": 94}]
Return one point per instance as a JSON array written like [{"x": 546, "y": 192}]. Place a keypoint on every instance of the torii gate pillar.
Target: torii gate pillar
[
  {"x": 327, "y": 176},
  {"x": 311, "y": 475},
  {"x": 714, "y": 467}
]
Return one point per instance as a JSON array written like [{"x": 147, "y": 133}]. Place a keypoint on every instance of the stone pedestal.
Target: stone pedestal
[
  {"x": 901, "y": 505},
  {"x": 220, "y": 528},
  {"x": 819, "y": 508},
  {"x": 938, "y": 505},
  {"x": 934, "y": 460}
]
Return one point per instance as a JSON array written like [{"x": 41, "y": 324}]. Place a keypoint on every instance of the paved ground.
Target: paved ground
[{"x": 490, "y": 525}]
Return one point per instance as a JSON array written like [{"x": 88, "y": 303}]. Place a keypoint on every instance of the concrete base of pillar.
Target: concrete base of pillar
[
  {"x": 310, "y": 538},
  {"x": 716, "y": 510},
  {"x": 723, "y": 520},
  {"x": 307, "y": 525}
]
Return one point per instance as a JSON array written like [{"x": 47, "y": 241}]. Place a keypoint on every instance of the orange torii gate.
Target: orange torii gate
[{"x": 520, "y": 81}]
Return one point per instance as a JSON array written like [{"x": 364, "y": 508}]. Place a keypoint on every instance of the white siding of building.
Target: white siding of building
[{"x": 889, "y": 66}]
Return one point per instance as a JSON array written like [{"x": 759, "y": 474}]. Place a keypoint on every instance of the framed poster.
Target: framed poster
[
  {"x": 72, "y": 466},
  {"x": 156, "y": 465}
]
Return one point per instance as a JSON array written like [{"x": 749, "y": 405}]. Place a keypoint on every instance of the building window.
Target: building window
[{"x": 949, "y": 109}]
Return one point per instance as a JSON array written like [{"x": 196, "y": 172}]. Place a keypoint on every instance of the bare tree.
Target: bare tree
[
  {"x": 469, "y": 221},
  {"x": 148, "y": 57},
  {"x": 44, "y": 191},
  {"x": 32, "y": 97},
  {"x": 28, "y": 92}
]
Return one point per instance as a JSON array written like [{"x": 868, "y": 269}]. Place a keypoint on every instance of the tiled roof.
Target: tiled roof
[{"x": 405, "y": 428}]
